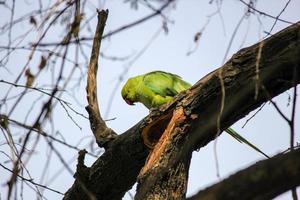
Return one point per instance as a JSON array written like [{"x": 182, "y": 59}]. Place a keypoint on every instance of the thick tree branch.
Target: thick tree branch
[
  {"x": 102, "y": 133},
  {"x": 117, "y": 169},
  {"x": 250, "y": 78},
  {"x": 267, "y": 179},
  {"x": 247, "y": 85}
]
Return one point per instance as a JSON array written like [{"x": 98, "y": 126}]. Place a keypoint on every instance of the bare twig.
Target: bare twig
[
  {"x": 279, "y": 111},
  {"x": 233, "y": 36},
  {"x": 292, "y": 121},
  {"x": 292, "y": 126},
  {"x": 287, "y": 3},
  {"x": 102, "y": 133},
  {"x": 118, "y": 30},
  {"x": 41, "y": 90},
  {"x": 127, "y": 68},
  {"x": 31, "y": 181},
  {"x": 256, "y": 112},
  {"x": 43, "y": 133},
  {"x": 251, "y": 8}
]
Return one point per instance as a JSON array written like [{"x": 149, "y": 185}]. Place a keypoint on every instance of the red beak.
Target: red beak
[{"x": 129, "y": 102}]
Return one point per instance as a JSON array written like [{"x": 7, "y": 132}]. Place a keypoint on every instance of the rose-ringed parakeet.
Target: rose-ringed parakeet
[{"x": 155, "y": 88}]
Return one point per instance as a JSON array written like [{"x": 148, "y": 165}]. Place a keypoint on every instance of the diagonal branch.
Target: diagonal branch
[
  {"x": 267, "y": 179},
  {"x": 201, "y": 107},
  {"x": 117, "y": 169},
  {"x": 102, "y": 133}
]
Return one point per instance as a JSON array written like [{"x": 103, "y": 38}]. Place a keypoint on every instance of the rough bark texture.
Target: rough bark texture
[
  {"x": 279, "y": 69},
  {"x": 278, "y": 175},
  {"x": 163, "y": 177},
  {"x": 115, "y": 172},
  {"x": 252, "y": 76}
]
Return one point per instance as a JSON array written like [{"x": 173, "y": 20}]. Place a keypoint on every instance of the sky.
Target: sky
[{"x": 144, "y": 48}]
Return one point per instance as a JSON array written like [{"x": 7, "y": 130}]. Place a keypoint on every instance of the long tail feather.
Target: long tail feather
[{"x": 239, "y": 138}]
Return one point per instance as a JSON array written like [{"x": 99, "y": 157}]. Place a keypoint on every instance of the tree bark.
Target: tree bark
[
  {"x": 252, "y": 76},
  {"x": 164, "y": 176},
  {"x": 264, "y": 180}
]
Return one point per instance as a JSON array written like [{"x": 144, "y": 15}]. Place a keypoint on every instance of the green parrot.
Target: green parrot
[{"x": 155, "y": 88}]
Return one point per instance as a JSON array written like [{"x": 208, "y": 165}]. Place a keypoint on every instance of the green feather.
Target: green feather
[{"x": 165, "y": 84}]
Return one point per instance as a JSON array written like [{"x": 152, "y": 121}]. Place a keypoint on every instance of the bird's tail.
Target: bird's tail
[{"x": 239, "y": 138}]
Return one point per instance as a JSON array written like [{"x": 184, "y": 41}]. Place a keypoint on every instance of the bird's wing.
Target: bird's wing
[{"x": 161, "y": 83}]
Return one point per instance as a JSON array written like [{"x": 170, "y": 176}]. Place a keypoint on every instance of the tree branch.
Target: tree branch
[
  {"x": 252, "y": 76},
  {"x": 117, "y": 169},
  {"x": 102, "y": 133},
  {"x": 267, "y": 179}
]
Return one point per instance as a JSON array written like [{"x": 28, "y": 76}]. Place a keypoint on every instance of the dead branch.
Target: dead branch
[{"x": 102, "y": 133}]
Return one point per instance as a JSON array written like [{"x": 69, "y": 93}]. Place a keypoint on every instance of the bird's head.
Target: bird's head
[{"x": 129, "y": 92}]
